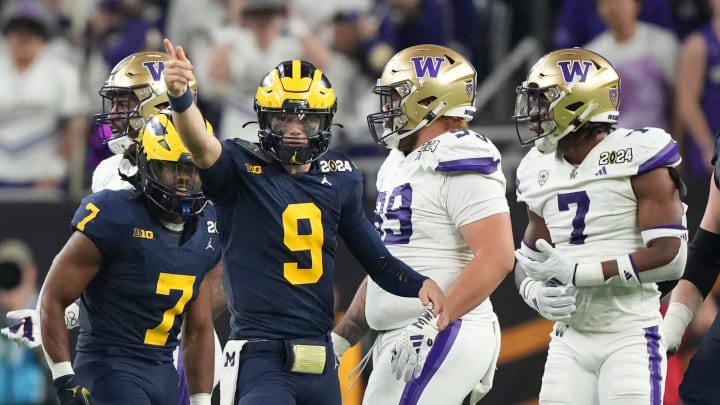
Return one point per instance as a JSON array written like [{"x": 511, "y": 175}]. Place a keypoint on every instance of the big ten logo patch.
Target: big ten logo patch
[
  {"x": 143, "y": 234},
  {"x": 254, "y": 169}
]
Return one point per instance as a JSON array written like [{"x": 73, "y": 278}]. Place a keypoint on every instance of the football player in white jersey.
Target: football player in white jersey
[
  {"x": 133, "y": 92},
  {"x": 441, "y": 208},
  {"x": 605, "y": 223}
]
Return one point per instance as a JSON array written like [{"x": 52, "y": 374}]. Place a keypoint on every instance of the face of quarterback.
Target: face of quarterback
[{"x": 294, "y": 128}]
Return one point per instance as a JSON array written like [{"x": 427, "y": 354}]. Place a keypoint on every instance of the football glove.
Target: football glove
[
  {"x": 555, "y": 303},
  {"x": 26, "y": 331},
  {"x": 555, "y": 270},
  {"x": 412, "y": 346},
  {"x": 70, "y": 392}
]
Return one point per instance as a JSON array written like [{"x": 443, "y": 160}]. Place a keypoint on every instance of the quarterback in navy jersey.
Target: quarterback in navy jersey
[
  {"x": 138, "y": 261},
  {"x": 281, "y": 205}
]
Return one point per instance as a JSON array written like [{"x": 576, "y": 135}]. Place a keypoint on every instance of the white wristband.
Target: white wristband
[
  {"x": 340, "y": 344},
  {"x": 627, "y": 273},
  {"x": 588, "y": 275},
  {"x": 528, "y": 292},
  {"x": 59, "y": 369},
  {"x": 200, "y": 399}
]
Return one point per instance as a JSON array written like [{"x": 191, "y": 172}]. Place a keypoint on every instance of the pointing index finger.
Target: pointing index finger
[{"x": 169, "y": 48}]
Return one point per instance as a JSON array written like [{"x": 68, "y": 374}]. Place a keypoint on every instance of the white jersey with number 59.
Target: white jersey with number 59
[
  {"x": 423, "y": 200},
  {"x": 591, "y": 213}
]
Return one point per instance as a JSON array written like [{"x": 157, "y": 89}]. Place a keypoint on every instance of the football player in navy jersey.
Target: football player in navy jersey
[
  {"x": 281, "y": 205},
  {"x": 699, "y": 385},
  {"x": 138, "y": 261}
]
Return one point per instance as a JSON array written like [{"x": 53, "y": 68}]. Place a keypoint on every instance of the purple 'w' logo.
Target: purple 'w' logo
[
  {"x": 570, "y": 71},
  {"x": 155, "y": 68},
  {"x": 427, "y": 65}
]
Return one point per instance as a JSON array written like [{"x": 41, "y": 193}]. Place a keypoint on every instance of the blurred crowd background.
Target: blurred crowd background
[{"x": 56, "y": 54}]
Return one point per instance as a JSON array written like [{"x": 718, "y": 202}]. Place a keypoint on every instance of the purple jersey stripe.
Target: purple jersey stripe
[
  {"x": 444, "y": 341},
  {"x": 668, "y": 156},
  {"x": 652, "y": 338},
  {"x": 675, "y": 226},
  {"x": 634, "y": 267},
  {"x": 182, "y": 388},
  {"x": 480, "y": 165}
]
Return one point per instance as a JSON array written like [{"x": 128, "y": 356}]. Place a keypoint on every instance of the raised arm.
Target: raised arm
[{"x": 204, "y": 147}]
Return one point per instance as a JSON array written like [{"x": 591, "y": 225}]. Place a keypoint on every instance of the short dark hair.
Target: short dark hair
[{"x": 28, "y": 25}]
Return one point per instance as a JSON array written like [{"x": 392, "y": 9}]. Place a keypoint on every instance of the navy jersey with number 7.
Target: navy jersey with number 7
[{"x": 146, "y": 280}]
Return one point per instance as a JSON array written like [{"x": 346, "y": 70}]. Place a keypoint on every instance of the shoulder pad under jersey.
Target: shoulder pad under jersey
[
  {"x": 254, "y": 149},
  {"x": 102, "y": 215},
  {"x": 628, "y": 152},
  {"x": 461, "y": 151},
  {"x": 533, "y": 171}
]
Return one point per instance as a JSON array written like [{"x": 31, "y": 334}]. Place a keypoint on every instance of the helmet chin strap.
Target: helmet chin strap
[
  {"x": 395, "y": 140},
  {"x": 580, "y": 119},
  {"x": 120, "y": 145},
  {"x": 548, "y": 144}
]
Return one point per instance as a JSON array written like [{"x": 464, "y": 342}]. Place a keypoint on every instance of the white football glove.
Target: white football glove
[
  {"x": 555, "y": 303},
  {"x": 26, "y": 331},
  {"x": 412, "y": 346},
  {"x": 555, "y": 270}
]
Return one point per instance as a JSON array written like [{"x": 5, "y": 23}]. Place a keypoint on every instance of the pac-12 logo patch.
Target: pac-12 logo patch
[{"x": 543, "y": 176}]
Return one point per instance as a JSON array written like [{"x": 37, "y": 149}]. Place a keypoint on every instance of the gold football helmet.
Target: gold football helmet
[
  {"x": 133, "y": 92},
  {"x": 167, "y": 175},
  {"x": 418, "y": 85},
  {"x": 564, "y": 90},
  {"x": 295, "y": 91}
]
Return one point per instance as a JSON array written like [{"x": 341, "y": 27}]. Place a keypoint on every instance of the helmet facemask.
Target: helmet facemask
[
  {"x": 533, "y": 107},
  {"x": 173, "y": 186},
  {"x": 121, "y": 121},
  {"x": 167, "y": 176},
  {"x": 295, "y": 138},
  {"x": 387, "y": 126}
]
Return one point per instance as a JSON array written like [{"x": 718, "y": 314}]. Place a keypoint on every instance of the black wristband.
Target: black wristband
[
  {"x": 64, "y": 381},
  {"x": 181, "y": 103},
  {"x": 703, "y": 262}
]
